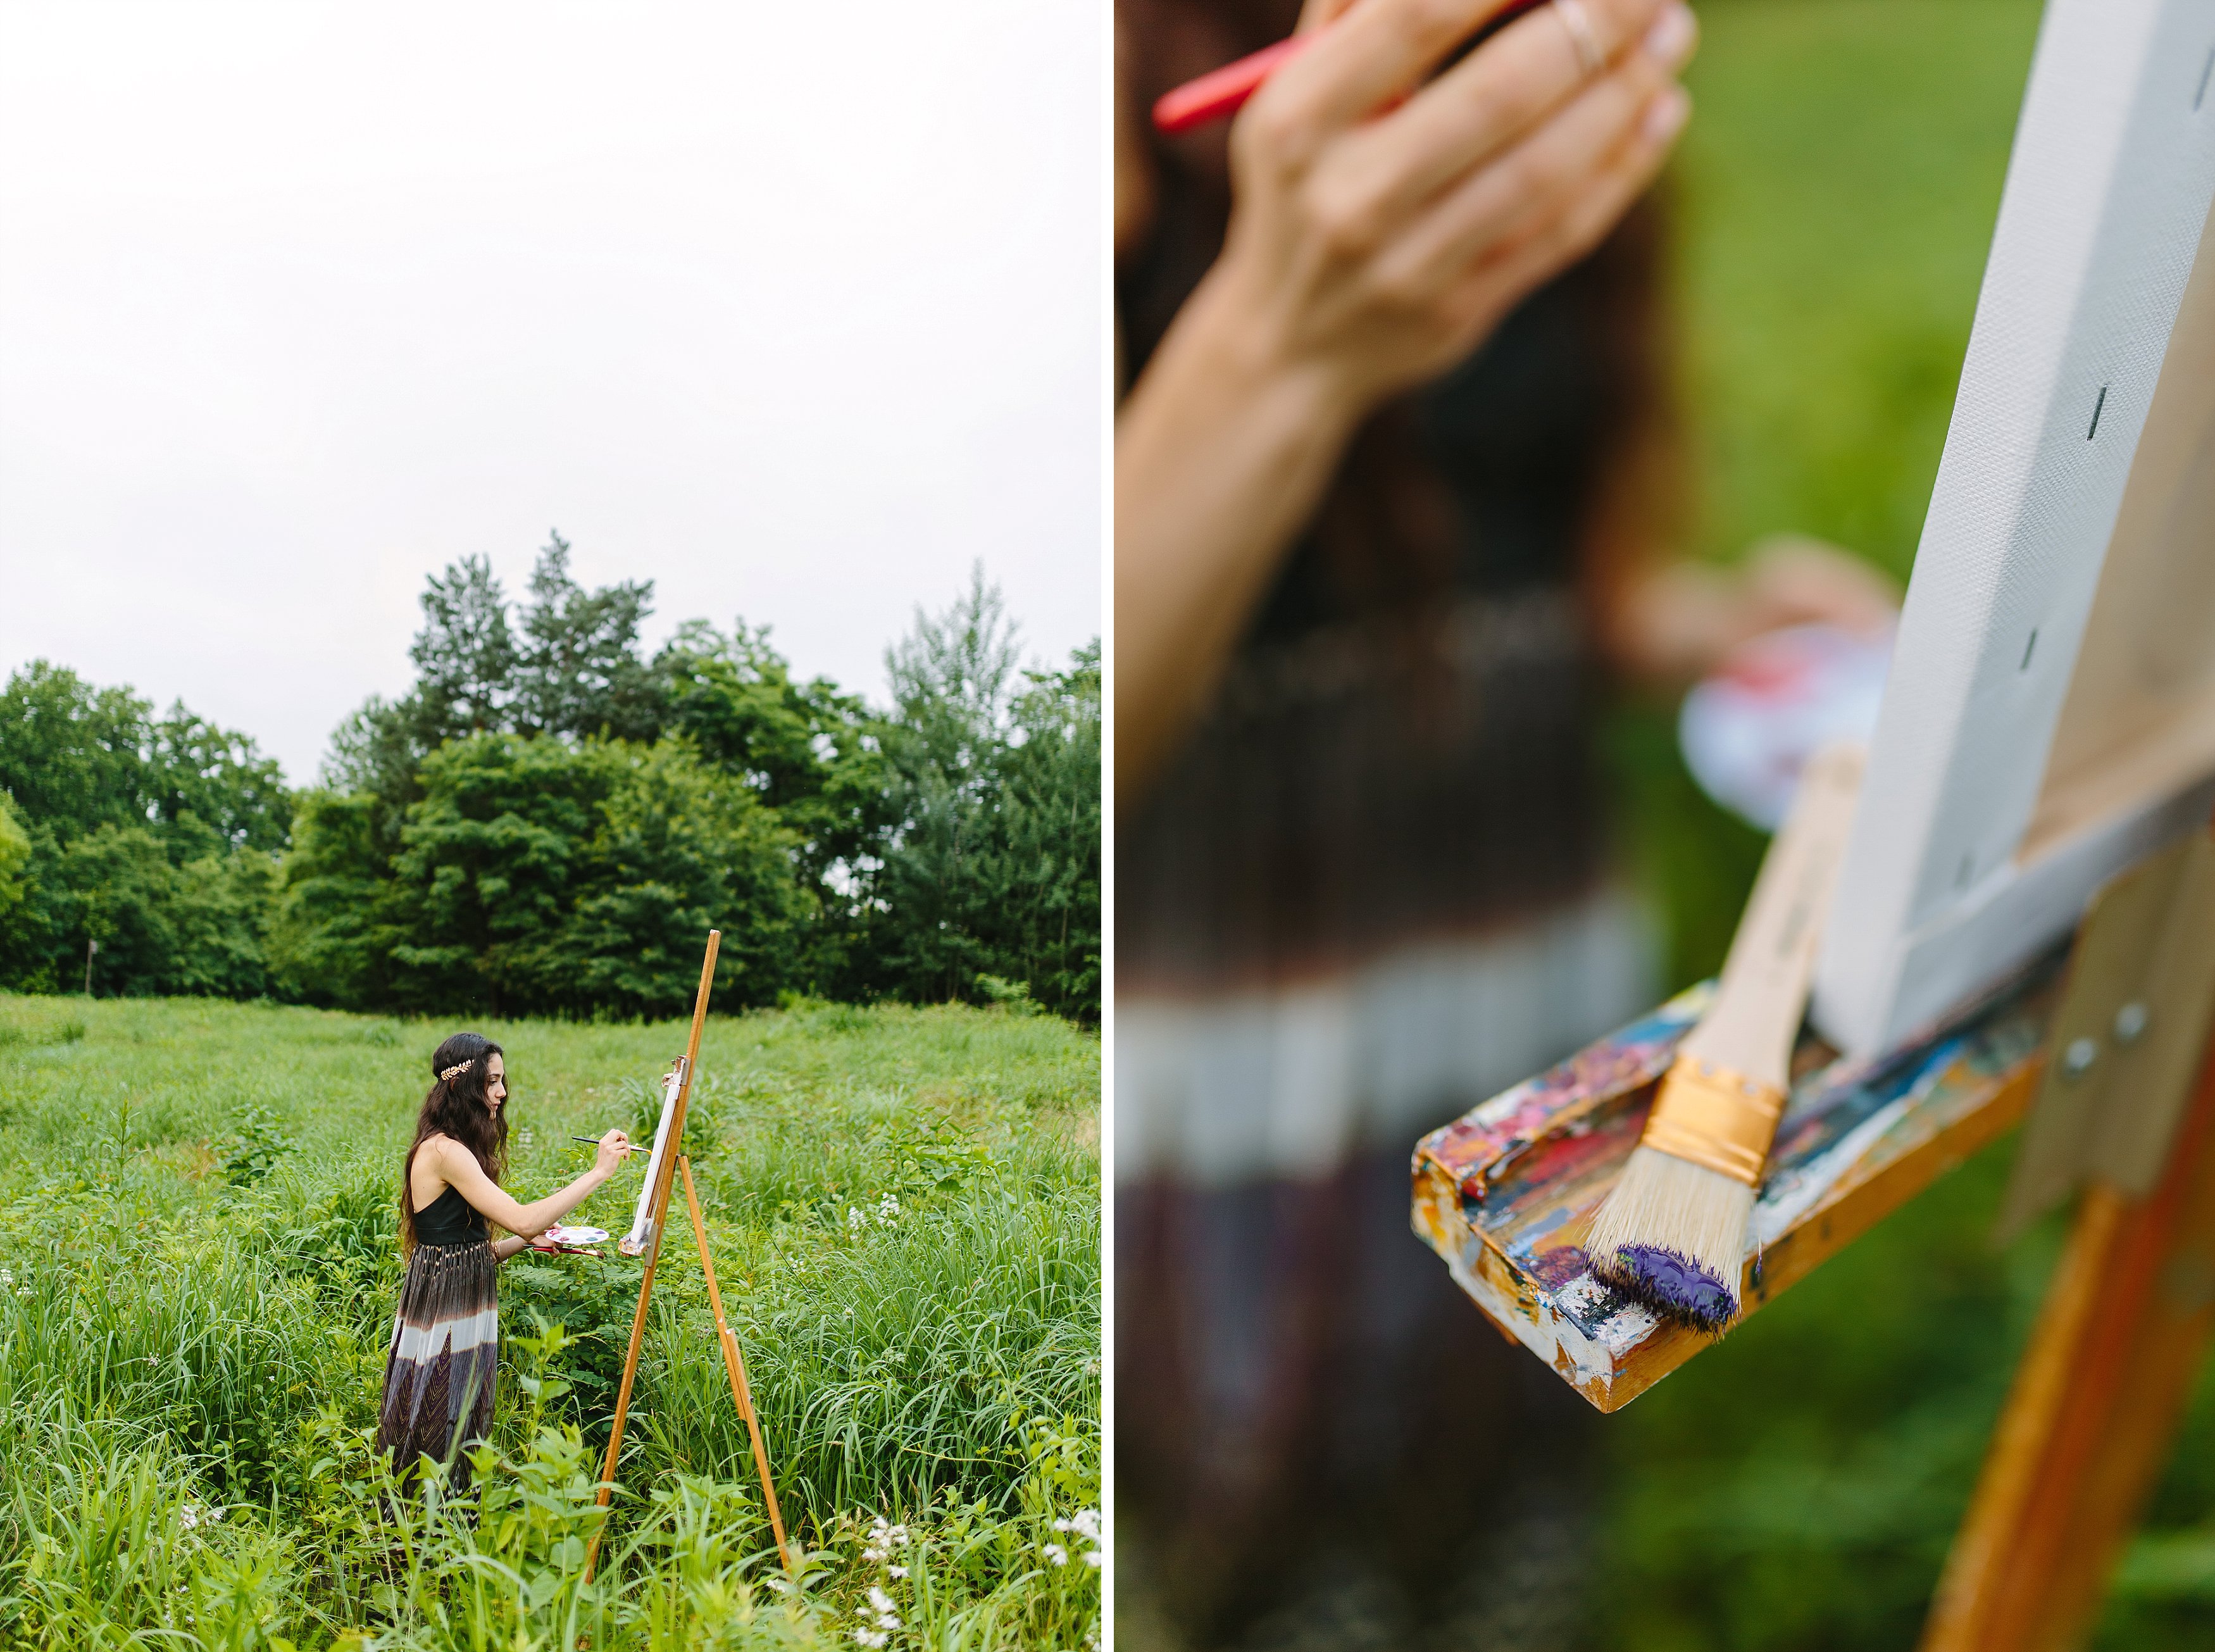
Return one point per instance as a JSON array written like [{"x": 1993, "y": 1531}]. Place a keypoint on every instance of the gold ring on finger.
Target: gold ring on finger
[{"x": 1583, "y": 40}]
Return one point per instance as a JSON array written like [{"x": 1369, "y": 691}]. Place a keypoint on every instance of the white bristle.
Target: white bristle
[{"x": 1666, "y": 1203}]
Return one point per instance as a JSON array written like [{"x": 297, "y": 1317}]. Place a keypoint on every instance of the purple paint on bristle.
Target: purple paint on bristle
[{"x": 1673, "y": 1285}]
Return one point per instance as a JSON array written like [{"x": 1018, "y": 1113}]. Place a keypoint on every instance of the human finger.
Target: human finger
[
  {"x": 1316, "y": 13},
  {"x": 1374, "y": 52},
  {"x": 1589, "y": 212},
  {"x": 1532, "y": 182},
  {"x": 1506, "y": 87}
]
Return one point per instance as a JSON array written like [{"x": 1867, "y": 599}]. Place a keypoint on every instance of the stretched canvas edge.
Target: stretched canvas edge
[{"x": 2107, "y": 196}]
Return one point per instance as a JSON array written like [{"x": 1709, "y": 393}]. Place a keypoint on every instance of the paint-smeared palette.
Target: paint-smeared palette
[
  {"x": 562, "y": 1236},
  {"x": 1505, "y": 1192}
]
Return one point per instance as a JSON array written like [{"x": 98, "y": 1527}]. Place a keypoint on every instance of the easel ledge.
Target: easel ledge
[{"x": 1505, "y": 1192}]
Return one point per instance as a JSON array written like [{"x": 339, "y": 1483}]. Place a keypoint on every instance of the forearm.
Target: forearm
[
  {"x": 1670, "y": 623},
  {"x": 534, "y": 1218},
  {"x": 514, "y": 1245},
  {"x": 1222, "y": 451}
]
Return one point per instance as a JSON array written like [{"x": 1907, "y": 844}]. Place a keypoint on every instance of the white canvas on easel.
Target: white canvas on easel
[
  {"x": 2050, "y": 715},
  {"x": 641, "y": 1226}
]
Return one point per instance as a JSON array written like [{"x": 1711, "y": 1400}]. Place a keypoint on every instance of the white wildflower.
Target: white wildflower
[
  {"x": 1054, "y": 1552},
  {"x": 7, "y": 1276},
  {"x": 1092, "y": 1557},
  {"x": 855, "y": 1220},
  {"x": 882, "y": 1539},
  {"x": 1085, "y": 1523},
  {"x": 889, "y": 1210},
  {"x": 881, "y": 1605},
  {"x": 896, "y": 1571}
]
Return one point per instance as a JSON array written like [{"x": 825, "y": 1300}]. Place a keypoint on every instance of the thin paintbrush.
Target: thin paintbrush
[
  {"x": 593, "y": 1141},
  {"x": 1671, "y": 1232},
  {"x": 1221, "y": 93}
]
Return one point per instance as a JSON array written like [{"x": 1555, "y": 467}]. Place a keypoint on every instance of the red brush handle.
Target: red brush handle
[{"x": 1221, "y": 93}]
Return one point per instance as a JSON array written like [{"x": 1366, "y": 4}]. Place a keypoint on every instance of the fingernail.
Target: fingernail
[
  {"x": 1669, "y": 42},
  {"x": 1664, "y": 115}
]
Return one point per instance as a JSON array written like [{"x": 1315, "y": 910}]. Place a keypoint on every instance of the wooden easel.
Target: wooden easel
[
  {"x": 2095, "y": 1403},
  {"x": 733, "y": 1362}
]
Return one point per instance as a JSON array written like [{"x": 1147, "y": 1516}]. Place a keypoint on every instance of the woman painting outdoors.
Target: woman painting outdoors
[
  {"x": 439, "y": 1375},
  {"x": 1395, "y": 483}
]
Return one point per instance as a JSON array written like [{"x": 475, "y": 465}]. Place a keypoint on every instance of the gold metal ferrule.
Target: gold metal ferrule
[{"x": 1710, "y": 1116}]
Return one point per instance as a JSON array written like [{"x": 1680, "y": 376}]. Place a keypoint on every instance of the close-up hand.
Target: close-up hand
[
  {"x": 615, "y": 1147},
  {"x": 1794, "y": 579},
  {"x": 1386, "y": 220},
  {"x": 1684, "y": 620},
  {"x": 1384, "y": 217}
]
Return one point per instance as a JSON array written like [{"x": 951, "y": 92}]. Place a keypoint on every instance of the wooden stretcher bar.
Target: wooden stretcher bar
[{"x": 1505, "y": 1192}]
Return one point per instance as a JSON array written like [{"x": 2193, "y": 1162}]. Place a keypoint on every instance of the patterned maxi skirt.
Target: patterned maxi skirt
[{"x": 438, "y": 1375}]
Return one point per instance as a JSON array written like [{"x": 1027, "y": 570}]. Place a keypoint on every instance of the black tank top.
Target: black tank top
[{"x": 449, "y": 1219}]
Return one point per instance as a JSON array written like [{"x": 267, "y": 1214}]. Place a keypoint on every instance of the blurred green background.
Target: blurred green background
[{"x": 1797, "y": 1487}]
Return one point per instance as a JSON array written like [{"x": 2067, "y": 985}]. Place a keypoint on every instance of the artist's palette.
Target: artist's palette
[
  {"x": 1747, "y": 731},
  {"x": 562, "y": 1236}
]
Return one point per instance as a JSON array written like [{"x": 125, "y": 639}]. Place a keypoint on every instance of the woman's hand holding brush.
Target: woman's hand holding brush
[
  {"x": 615, "y": 1147},
  {"x": 1386, "y": 215}
]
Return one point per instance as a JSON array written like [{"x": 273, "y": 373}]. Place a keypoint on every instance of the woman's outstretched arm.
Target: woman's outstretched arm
[
  {"x": 462, "y": 1171},
  {"x": 1365, "y": 253}
]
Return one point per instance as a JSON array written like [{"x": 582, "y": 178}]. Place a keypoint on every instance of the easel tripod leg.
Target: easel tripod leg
[
  {"x": 623, "y": 1398},
  {"x": 661, "y": 1213},
  {"x": 734, "y": 1366},
  {"x": 2094, "y": 1409}
]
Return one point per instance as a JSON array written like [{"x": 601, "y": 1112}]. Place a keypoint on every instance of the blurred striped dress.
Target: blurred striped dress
[
  {"x": 1374, "y": 886},
  {"x": 441, "y": 1369}
]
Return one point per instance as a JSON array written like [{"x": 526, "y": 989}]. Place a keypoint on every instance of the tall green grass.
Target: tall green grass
[{"x": 199, "y": 1221}]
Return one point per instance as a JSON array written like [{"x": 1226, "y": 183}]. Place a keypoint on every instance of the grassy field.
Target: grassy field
[
  {"x": 199, "y": 1266},
  {"x": 1796, "y": 1488}
]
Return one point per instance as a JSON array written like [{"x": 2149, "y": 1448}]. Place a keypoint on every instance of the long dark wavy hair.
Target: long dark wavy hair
[{"x": 456, "y": 1107}]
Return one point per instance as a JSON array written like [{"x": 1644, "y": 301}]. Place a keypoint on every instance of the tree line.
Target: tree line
[{"x": 550, "y": 818}]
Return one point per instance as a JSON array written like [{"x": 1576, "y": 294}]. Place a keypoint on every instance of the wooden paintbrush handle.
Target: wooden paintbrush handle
[{"x": 1755, "y": 1019}]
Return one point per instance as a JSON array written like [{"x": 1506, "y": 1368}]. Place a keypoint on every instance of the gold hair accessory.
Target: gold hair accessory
[
  {"x": 1583, "y": 40},
  {"x": 452, "y": 1074}
]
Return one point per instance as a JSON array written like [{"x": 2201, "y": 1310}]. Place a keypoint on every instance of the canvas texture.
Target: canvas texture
[{"x": 2105, "y": 203}]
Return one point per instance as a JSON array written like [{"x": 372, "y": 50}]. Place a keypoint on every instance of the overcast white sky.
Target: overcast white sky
[{"x": 794, "y": 308}]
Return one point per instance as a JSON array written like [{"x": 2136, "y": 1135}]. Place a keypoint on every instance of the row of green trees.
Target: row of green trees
[{"x": 550, "y": 818}]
